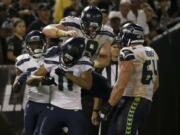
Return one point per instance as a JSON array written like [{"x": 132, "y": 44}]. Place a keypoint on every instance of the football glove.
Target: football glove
[
  {"x": 105, "y": 111},
  {"x": 48, "y": 80},
  {"x": 61, "y": 70}
]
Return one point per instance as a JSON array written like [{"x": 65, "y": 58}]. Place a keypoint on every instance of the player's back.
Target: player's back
[{"x": 145, "y": 71}]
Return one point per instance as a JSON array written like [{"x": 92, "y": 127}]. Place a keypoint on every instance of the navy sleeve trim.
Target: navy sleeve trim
[
  {"x": 84, "y": 63},
  {"x": 106, "y": 33},
  {"x": 51, "y": 62},
  {"x": 72, "y": 24},
  {"x": 22, "y": 61},
  {"x": 126, "y": 55},
  {"x": 52, "y": 52},
  {"x": 127, "y": 58}
]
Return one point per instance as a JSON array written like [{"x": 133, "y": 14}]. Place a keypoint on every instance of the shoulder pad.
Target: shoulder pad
[
  {"x": 106, "y": 30},
  {"x": 84, "y": 61},
  {"x": 71, "y": 21},
  {"x": 52, "y": 51},
  {"x": 126, "y": 54},
  {"x": 22, "y": 59}
]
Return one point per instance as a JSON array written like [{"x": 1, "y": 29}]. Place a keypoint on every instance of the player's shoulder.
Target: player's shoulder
[
  {"x": 106, "y": 30},
  {"x": 126, "y": 54},
  {"x": 71, "y": 21},
  {"x": 21, "y": 59},
  {"x": 151, "y": 52},
  {"x": 85, "y": 61},
  {"x": 53, "y": 51},
  {"x": 52, "y": 55}
]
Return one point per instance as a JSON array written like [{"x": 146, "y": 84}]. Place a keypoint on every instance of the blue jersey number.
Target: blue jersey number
[
  {"x": 61, "y": 80},
  {"x": 91, "y": 48},
  {"x": 147, "y": 73}
]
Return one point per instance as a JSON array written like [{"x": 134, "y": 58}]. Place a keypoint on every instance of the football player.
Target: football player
[
  {"x": 37, "y": 97},
  {"x": 136, "y": 83},
  {"x": 71, "y": 71},
  {"x": 89, "y": 26}
]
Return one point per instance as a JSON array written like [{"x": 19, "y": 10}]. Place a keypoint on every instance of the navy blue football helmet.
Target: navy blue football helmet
[
  {"x": 71, "y": 51},
  {"x": 131, "y": 33},
  {"x": 36, "y": 43},
  {"x": 91, "y": 21}
]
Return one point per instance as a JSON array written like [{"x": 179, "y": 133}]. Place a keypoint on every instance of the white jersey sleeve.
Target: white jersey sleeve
[
  {"x": 21, "y": 62},
  {"x": 126, "y": 54},
  {"x": 105, "y": 35},
  {"x": 72, "y": 23}
]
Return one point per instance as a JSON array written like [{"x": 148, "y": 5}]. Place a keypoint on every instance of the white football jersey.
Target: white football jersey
[
  {"x": 66, "y": 94},
  {"x": 104, "y": 36},
  {"x": 145, "y": 61},
  {"x": 26, "y": 62}
]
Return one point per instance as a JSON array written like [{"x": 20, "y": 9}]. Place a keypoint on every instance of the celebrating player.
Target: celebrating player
[
  {"x": 71, "y": 71},
  {"x": 37, "y": 96},
  {"x": 89, "y": 26}
]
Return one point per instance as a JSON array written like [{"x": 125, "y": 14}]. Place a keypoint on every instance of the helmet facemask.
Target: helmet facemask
[
  {"x": 91, "y": 21},
  {"x": 90, "y": 29},
  {"x": 36, "y": 48},
  {"x": 67, "y": 60}
]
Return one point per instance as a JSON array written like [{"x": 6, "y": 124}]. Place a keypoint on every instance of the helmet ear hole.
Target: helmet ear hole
[{"x": 131, "y": 33}]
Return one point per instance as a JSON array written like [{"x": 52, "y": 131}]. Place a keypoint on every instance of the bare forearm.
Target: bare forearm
[
  {"x": 116, "y": 95},
  {"x": 156, "y": 85},
  {"x": 16, "y": 87},
  {"x": 52, "y": 30},
  {"x": 97, "y": 103}
]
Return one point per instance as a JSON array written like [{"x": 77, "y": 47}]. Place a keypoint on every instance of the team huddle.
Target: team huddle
[{"x": 55, "y": 76}]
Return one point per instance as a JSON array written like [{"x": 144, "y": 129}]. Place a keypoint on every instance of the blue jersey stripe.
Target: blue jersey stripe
[
  {"x": 51, "y": 62},
  {"x": 72, "y": 24},
  {"x": 107, "y": 33},
  {"x": 22, "y": 61},
  {"x": 84, "y": 63},
  {"x": 53, "y": 51}
]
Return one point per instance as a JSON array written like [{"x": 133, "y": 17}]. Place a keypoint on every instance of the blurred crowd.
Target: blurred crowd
[{"x": 18, "y": 17}]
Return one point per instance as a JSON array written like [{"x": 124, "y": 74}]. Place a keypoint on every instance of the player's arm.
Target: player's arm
[
  {"x": 37, "y": 75},
  {"x": 156, "y": 84},
  {"x": 58, "y": 30},
  {"x": 126, "y": 69},
  {"x": 96, "y": 106},
  {"x": 16, "y": 86},
  {"x": 84, "y": 80},
  {"x": 104, "y": 57}
]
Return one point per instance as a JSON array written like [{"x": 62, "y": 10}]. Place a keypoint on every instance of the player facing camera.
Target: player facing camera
[
  {"x": 36, "y": 43},
  {"x": 91, "y": 21}
]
